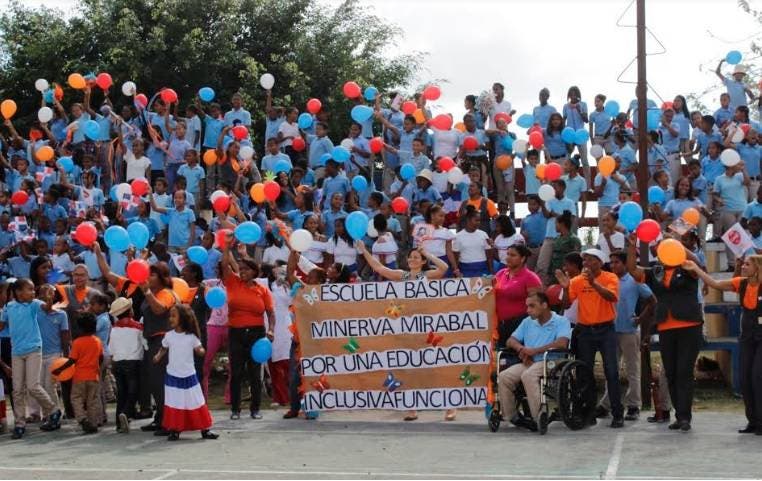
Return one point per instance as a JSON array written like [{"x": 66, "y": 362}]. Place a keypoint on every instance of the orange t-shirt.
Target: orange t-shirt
[
  {"x": 80, "y": 294},
  {"x": 751, "y": 295},
  {"x": 166, "y": 298},
  {"x": 86, "y": 352},
  {"x": 594, "y": 309},
  {"x": 491, "y": 207},
  {"x": 121, "y": 281},
  {"x": 246, "y": 303}
]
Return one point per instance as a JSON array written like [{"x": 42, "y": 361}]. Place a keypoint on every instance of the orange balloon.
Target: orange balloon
[
  {"x": 77, "y": 81},
  {"x": 503, "y": 161},
  {"x": 606, "y": 165},
  {"x": 671, "y": 252},
  {"x": 44, "y": 153},
  {"x": 540, "y": 171},
  {"x": 460, "y": 126},
  {"x": 8, "y": 108},
  {"x": 419, "y": 117},
  {"x": 181, "y": 288},
  {"x": 257, "y": 192},
  {"x": 66, "y": 374},
  {"x": 210, "y": 157},
  {"x": 691, "y": 216}
]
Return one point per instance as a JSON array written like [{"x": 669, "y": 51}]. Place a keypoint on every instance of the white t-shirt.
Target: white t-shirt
[
  {"x": 446, "y": 143},
  {"x": 617, "y": 240},
  {"x": 437, "y": 243},
  {"x": 341, "y": 251},
  {"x": 472, "y": 246},
  {"x": 315, "y": 252},
  {"x": 273, "y": 254},
  {"x": 502, "y": 244},
  {"x": 385, "y": 248},
  {"x": 288, "y": 130},
  {"x": 136, "y": 167},
  {"x": 180, "y": 346},
  {"x": 502, "y": 107}
]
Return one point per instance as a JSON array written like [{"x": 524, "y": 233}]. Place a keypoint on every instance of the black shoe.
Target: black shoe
[
  {"x": 235, "y": 415},
  {"x": 161, "y": 432},
  {"x": 256, "y": 415},
  {"x": 617, "y": 422},
  {"x": 685, "y": 426},
  {"x": 522, "y": 422},
  {"x": 18, "y": 433},
  {"x": 659, "y": 418},
  {"x": 592, "y": 421},
  {"x": 207, "y": 434},
  {"x": 87, "y": 427},
  {"x": 53, "y": 421},
  {"x": 150, "y": 427},
  {"x": 749, "y": 429},
  {"x": 758, "y": 432},
  {"x": 633, "y": 414},
  {"x": 674, "y": 426},
  {"x": 291, "y": 414},
  {"x": 143, "y": 415},
  {"x": 601, "y": 412},
  {"x": 172, "y": 436}
]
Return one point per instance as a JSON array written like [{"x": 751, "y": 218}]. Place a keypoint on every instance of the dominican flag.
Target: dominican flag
[{"x": 184, "y": 405}]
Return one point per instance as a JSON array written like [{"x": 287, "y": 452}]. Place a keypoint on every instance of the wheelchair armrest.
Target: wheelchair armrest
[{"x": 554, "y": 351}]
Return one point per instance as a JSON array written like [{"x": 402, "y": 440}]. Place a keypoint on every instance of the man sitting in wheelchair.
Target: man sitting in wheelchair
[{"x": 543, "y": 330}]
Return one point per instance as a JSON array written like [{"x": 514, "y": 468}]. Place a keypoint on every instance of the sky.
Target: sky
[{"x": 527, "y": 45}]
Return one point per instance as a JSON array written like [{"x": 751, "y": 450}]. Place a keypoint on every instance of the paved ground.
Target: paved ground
[{"x": 379, "y": 445}]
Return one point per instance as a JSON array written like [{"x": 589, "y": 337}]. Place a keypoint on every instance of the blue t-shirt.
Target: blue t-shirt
[
  {"x": 91, "y": 261},
  {"x": 156, "y": 156},
  {"x": 699, "y": 185},
  {"x": 601, "y": 121},
  {"x": 736, "y": 91},
  {"x": 541, "y": 114},
  {"x": 117, "y": 262},
  {"x": 684, "y": 123},
  {"x": 557, "y": 206},
  {"x": 212, "y": 130},
  {"x": 711, "y": 169},
  {"x": 241, "y": 115},
  {"x": 21, "y": 318},
  {"x": 676, "y": 207},
  {"x": 158, "y": 121},
  {"x": 297, "y": 217},
  {"x": 574, "y": 187},
  {"x": 331, "y": 185},
  {"x": 211, "y": 267},
  {"x": 534, "y": 226},
  {"x": 177, "y": 149},
  {"x": 555, "y": 144},
  {"x": 103, "y": 330},
  {"x": 629, "y": 292},
  {"x": 703, "y": 139},
  {"x": 610, "y": 195},
  {"x": 193, "y": 175},
  {"x": 271, "y": 128},
  {"x": 750, "y": 154},
  {"x": 732, "y": 192},
  {"x": 51, "y": 325},
  {"x": 329, "y": 219},
  {"x": 318, "y": 147},
  {"x": 179, "y": 226},
  {"x": 532, "y": 334},
  {"x": 573, "y": 116},
  {"x": 671, "y": 143},
  {"x": 531, "y": 182},
  {"x": 269, "y": 161},
  {"x": 721, "y": 116},
  {"x": 754, "y": 209}
]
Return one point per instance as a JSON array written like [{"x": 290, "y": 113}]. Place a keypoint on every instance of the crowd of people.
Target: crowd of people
[{"x": 441, "y": 199}]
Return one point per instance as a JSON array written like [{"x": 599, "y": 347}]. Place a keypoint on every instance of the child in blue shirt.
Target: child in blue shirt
[
  {"x": 274, "y": 156},
  {"x": 711, "y": 165},
  {"x": 181, "y": 222},
  {"x": 194, "y": 174},
  {"x": 600, "y": 123},
  {"x": 319, "y": 144},
  {"x": 531, "y": 182}
]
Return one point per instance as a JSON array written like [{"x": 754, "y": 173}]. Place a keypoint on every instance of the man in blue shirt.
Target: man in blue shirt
[
  {"x": 237, "y": 113},
  {"x": 541, "y": 331},
  {"x": 628, "y": 336}
]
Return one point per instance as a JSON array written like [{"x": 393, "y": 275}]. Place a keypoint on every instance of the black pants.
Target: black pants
[
  {"x": 751, "y": 377},
  {"x": 5, "y": 355},
  {"x": 591, "y": 339},
  {"x": 240, "y": 340},
  {"x": 156, "y": 373},
  {"x": 294, "y": 380},
  {"x": 679, "y": 350},
  {"x": 127, "y": 375},
  {"x": 144, "y": 388}
]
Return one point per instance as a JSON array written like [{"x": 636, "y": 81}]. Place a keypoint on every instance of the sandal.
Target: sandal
[
  {"x": 173, "y": 436},
  {"x": 410, "y": 417},
  {"x": 450, "y": 415}
]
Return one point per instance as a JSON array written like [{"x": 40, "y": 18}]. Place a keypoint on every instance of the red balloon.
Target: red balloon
[
  {"x": 272, "y": 190},
  {"x": 19, "y": 198},
  {"x": 648, "y": 230},
  {"x": 446, "y": 164},
  {"x": 535, "y": 128},
  {"x": 409, "y": 107},
  {"x": 628, "y": 124},
  {"x": 141, "y": 100},
  {"x": 535, "y": 139},
  {"x": 314, "y": 106},
  {"x": 666, "y": 105},
  {"x": 168, "y": 96},
  {"x": 86, "y": 233},
  {"x": 103, "y": 80},
  {"x": 470, "y": 143},
  {"x": 221, "y": 204},
  {"x": 376, "y": 145},
  {"x": 503, "y": 116},
  {"x": 745, "y": 128},
  {"x": 432, "y": 92},
  {"x": 220, "y": 236},
  {"x": 240, "y": 132},
  {"x": 298, "y": 144},
  {"x": 554, "y": 294},
  {"x": 352, "y": 90},
  {"x": 138, "y": 271},
  {"x": 441, "y": 122},
  {"x": 400, "y": 205},
  {"x": 139, "y": 186},
  {"x": 553, "y": 171}
]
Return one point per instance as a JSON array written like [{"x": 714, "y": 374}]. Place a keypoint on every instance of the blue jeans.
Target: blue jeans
[
  {"x": 592, "y": 339},
  {"x": 172, "y": 175}
]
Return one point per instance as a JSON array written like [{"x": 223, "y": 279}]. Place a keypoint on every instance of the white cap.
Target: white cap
[
  {"x": 739, "y": 69},
  {"x": 595, "y": 253},
  {"x": 426, "y": 174}
]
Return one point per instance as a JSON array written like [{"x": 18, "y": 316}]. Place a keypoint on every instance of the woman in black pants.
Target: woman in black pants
[
  {"x": 747, "y": 286},
  {"x": 248, "y": 302}
]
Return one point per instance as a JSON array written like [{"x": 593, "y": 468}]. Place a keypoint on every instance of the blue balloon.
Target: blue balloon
[
  {"x": 611, "y": 108},
  {"x": 216, "y": 297},
  {"x": 66, "y": 163},
  {"x": 581, "y": 136},
  {"x": 630, "y": 215},
  {"x": 525, "y": 120},
  {"x": 198, "y": 254},
  {"x": 248, "y": 232},
  {"x": 206, "y": 94},
  {"x": 357, "y": 224},
  {"x": 112, "y": 193},
  {"x": 359, "y": 183},
  {"x": 48, "y": 95},
  {"x": 91, "y": 129},
  {"x": 656, "y": 195},
  {"x": 370, "y": 94},
  {"x": 324, "y": 158},
  {"x": 282, "y": 165},
  {"x": 361, "y": 113},
  {"x": 304, "y": 121},
  {"x": 139, "y": 235},
  {"x": 567, "y": 135},
  {"x": 507, "y": 142},
  {"x": 262, "y": 350},
  {"x": 733, "y": 57},
  {"x": 116, "y": 238},
  {"x": 55, "y": 276},
  {"x": 653, "y": 117},
  {"x": 340, "y": 154},
  {"x": 407, "y": 171}
]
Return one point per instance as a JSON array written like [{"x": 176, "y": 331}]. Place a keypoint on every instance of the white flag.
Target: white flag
[{"x": 738, "y": 240}]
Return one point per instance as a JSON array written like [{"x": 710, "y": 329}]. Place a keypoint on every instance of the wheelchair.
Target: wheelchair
[{"x": 567, "y": 389}]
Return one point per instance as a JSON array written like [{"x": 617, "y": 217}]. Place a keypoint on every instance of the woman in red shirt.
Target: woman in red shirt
[
  {"x": 512, "y": 287},
  {"x": 248, "y": 302}
]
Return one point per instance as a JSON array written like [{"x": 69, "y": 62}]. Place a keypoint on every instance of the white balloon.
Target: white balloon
[
  {"x": 519, "y": 146},
  {"x": 216, "y": 194},
  {"x": 546, "y": 192},
  {"x": 372, "y": 232},
  {"x": 267, "y": 81},
  {"x": 454, "y": 175},
  {"x": 45, "y": 114},
  {"x": 596, "y": 151},
  {"x": 730, "y": 157},
  {"x": 347, "y": 144},
  {"x": 737, "y": 137},
  {"x": 41, "y": 84},
  {"x": 129, "y": 88},
  {"x": 301, "y": 240},
  {"x": 122, "y": 191},
  {"x": 246, "y": 152}
]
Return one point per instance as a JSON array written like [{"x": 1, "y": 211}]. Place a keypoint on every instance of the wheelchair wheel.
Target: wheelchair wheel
[
  {"x": 542, "y": 423},
  {"x": 576, "y": 395},
  {"x": 494, "y": 420}
]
